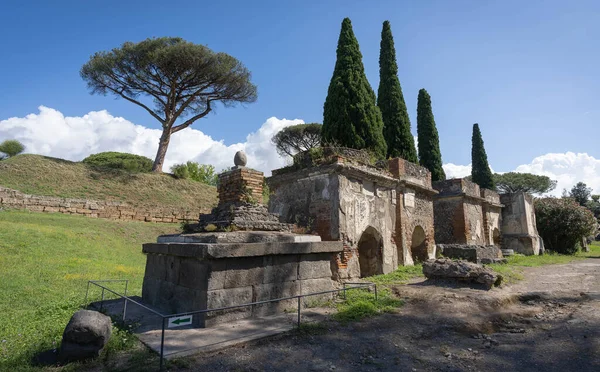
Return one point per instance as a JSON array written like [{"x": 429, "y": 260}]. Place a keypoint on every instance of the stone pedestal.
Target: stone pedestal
[
  {"x": 519, "y": 231},
  {"x": 241, "y": 204},
  {"x": 213, "y": 270},
  {"x": 240, "y": 185}
]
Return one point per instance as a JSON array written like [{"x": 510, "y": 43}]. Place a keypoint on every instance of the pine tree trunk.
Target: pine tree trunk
[{"x": 163, "y": 144}]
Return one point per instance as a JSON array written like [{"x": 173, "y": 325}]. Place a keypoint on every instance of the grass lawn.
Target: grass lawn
[
  {"x": 512, "y": 271},
  {"x": 45, "y": 262},
  {"x": 41, "y": 175}
]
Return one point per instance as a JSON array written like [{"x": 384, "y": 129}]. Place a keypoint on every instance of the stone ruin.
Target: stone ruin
[
  {"x": 250, "y": 256},
  {"x": 519, "y": 231},
  {"x": 384, "y": 218},
  {"x": 466, "y": 214},
  {"x": 358, "y": 220}
]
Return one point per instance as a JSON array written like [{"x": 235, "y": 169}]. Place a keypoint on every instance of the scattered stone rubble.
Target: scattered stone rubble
[{"x": 445, "y": 268}]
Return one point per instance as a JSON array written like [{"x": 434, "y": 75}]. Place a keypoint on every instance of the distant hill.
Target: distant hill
[{"x": 40, "y": 175}]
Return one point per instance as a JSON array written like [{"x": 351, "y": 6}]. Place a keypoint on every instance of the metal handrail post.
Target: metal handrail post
[
  {"x": 125, "y": 302},
  {"x": 102, "y": 301},
  {"x": 375, "y": 286},
  {"x": 86, "y": 293},
  {"x": 344, "y": 291},
  {"x": 162, "y": 345}
]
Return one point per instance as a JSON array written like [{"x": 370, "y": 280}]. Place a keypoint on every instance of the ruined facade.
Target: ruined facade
[
  {"x": 383, "y": 218},
  {"x": 465, "y": 214},
  {"x": 519, "y": 231},
  {"x": 356, "y": 220}
]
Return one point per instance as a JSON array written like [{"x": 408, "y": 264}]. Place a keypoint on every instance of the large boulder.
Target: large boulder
[
  {"x": 445, "y": 268},
  {"x": 85, "y": 336}
]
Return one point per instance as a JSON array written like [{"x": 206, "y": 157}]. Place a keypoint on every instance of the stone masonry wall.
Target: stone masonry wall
[
  {"x": 340, "y": 202},
  {"x": 466, "y": 214},
  {"x": 178, "y": 278},
  {"x": 474, "y": 222},
  {"x": 414, "y": 211},
  {"x": 519, "y": 231},
  {"x": 93, "y": 208},
  {"x": 449, "y": 220},
  {"x": 369, "y": 210},
  {"x": 240, "y": 184},
  {"x": 366, "y": 205},
  {"x": 410, "y": 171}
]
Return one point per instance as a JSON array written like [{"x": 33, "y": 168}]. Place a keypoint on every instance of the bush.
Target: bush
[
  {"x": 11, "y": 147},
  {"x": 196, "y": 172},
  {"x": 120, "y": 160},
  {"x": 562, "y": 223}
]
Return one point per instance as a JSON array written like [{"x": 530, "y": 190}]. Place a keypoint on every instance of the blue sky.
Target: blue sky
[{"x": 526, "y": 71}]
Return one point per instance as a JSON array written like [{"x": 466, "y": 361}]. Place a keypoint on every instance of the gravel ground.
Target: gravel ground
[{"x": 548, "y": 322}]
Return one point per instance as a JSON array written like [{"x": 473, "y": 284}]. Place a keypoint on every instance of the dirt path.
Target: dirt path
[{"x": 548, "y": 322}]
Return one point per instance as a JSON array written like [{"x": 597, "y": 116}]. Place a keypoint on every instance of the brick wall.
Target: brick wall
[
  {"x": 94, "y": 208},
  {"x": 240, "y": 184}
]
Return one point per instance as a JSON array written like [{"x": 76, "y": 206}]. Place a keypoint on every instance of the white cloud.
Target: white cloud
[
  {"x": 50, "y": 133},
  {"x": 567, "y": 169},
  {"x": 456, "y": 171}
]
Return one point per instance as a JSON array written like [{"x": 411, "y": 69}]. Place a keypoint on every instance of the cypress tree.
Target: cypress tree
[
  {"x": 481, "y": 173},
  {"x": 350, "y": 116},
  {"x": 428, "y": 140},
  {"x": 396, "y": 123}
]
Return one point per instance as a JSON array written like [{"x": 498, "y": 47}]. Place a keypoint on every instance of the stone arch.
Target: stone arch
[
  {"x": 370, "y": 252},
  {"x": 418, "y": 245},
  {"x": 496, "y": 238}
]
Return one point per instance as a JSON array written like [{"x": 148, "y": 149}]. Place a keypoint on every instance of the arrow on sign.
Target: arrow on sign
[{"x": 180, "y": 321}]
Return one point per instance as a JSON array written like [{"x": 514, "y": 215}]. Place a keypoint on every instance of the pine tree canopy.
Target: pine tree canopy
[
  {"x": 430, "y": 155},
  {"x": 481, "y": 173},
  {"x": 396, "y": 123},
  {"x": 350, "y": 116}
]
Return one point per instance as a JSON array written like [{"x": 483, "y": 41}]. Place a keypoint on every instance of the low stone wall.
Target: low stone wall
[
  {"x": 214, "y": 270},
  {"x": 10, "y": 198}
]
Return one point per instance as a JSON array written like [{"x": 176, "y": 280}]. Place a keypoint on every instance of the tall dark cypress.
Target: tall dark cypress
[
  {"x": 396, "y": 123},
  {"x": 350, "y": 116},
  {"x": 430, "y": 155},
  {"x": 481, "y": 173}
]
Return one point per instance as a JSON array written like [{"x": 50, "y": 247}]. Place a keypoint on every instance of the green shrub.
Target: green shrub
[
  {"x": 562, "y": 223},
  {"x": 120, "y": 160},
  {"x": 11, "y": 147},
  {"x": 180, "y": 171},
  {"x": 196, "y": 172}
]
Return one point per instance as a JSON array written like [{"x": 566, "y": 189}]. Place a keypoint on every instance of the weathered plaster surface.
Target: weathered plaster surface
[
  {"x": 464, "y": 214},
  {"x": 519, "y": 230},
  {"x": 359, "y": 206}
]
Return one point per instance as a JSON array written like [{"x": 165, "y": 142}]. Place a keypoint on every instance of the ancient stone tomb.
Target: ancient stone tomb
[
  {"x": 466, "y": 214},
  {"x": 351, "y": 220},
  {"x": 383, "y": 218},
  {"x": 225, "y": 267}
]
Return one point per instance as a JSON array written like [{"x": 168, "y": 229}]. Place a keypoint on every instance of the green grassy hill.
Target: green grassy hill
[
  {"x": 40, "y": 175},
  {"x": 46, "y": 261}
]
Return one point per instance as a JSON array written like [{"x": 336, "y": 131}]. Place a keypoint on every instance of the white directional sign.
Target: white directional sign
[{"x": 179, "y": 321}]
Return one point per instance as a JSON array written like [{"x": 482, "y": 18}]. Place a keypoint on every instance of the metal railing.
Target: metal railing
[{"x": 164, "y": 317}]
